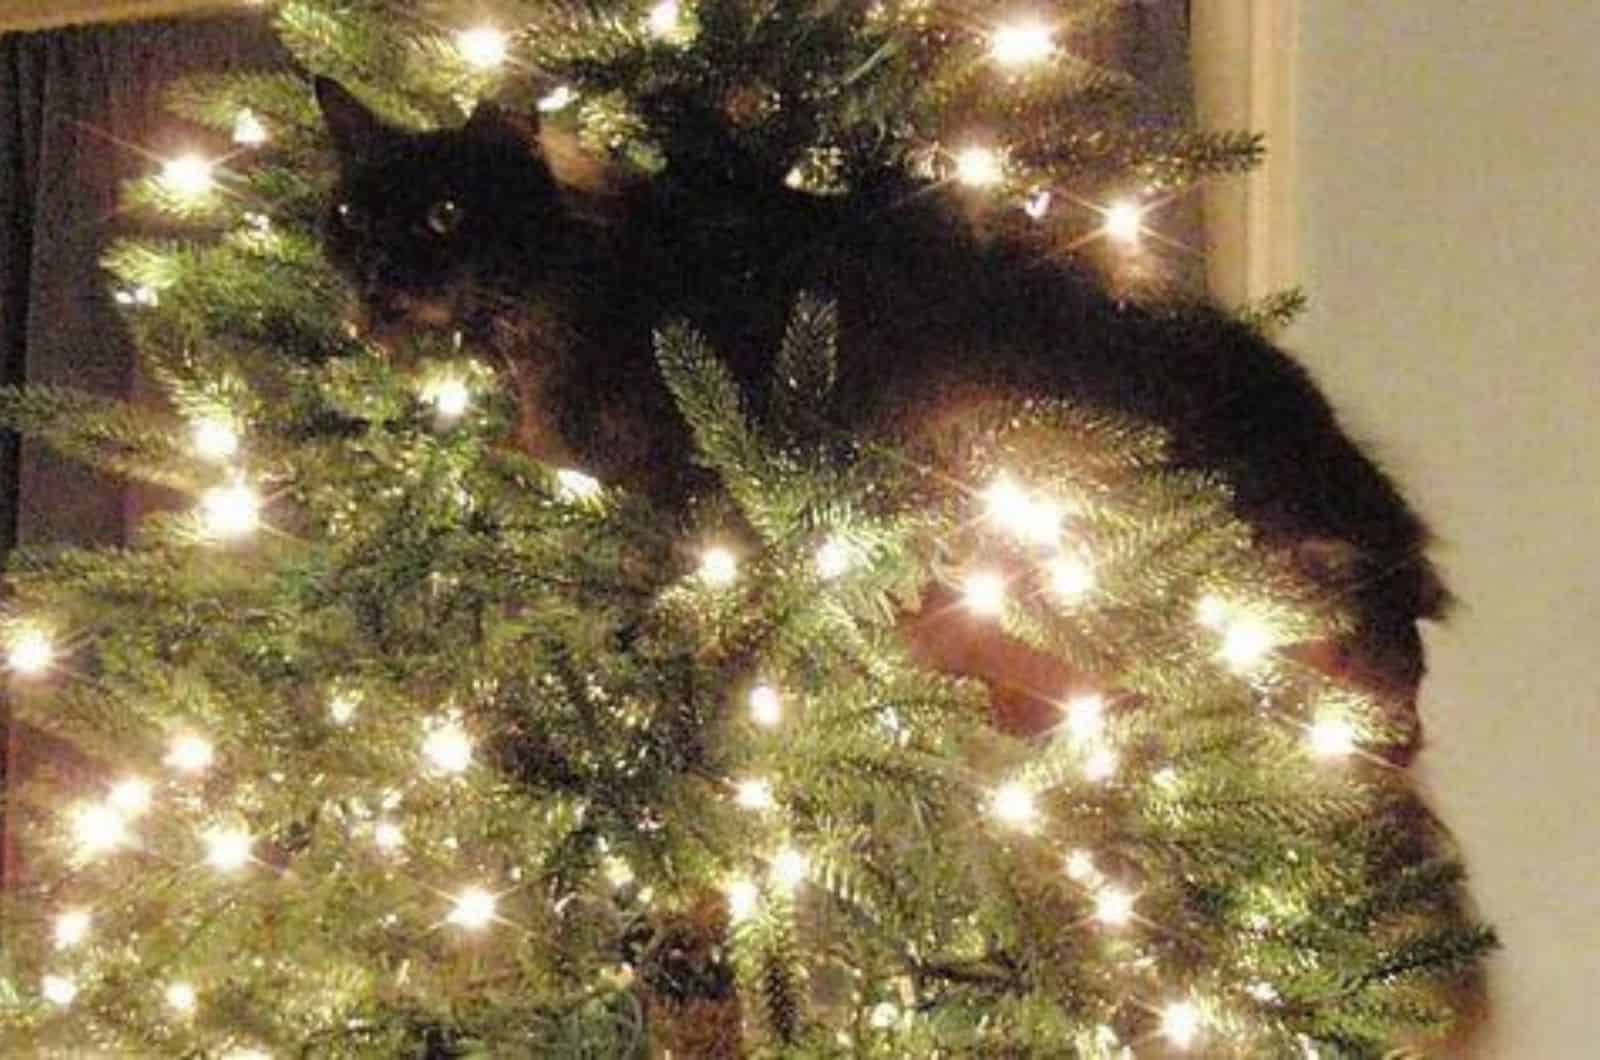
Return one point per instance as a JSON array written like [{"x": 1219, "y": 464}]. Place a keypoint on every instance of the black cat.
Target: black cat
[{"x": 471, "y": 229}]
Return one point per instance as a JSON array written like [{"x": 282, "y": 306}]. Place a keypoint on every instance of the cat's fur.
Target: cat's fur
[{"x": 569, "y": 279}]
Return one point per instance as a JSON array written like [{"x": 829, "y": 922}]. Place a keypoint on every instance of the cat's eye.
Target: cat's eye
[
  {"x": 444, "y": 216},
  {"x": 350, "y": 216}
]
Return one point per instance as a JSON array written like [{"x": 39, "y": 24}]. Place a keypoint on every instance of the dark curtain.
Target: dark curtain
[{"x": 81, "y": 112}]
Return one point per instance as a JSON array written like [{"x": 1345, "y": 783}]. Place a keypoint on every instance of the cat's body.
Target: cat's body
[{"x": 470, "y": 229}]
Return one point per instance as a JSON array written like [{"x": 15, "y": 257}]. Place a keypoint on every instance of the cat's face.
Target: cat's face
[{"x": 434, "y": 230}]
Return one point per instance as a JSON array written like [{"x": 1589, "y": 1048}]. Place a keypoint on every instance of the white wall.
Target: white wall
[{"x": 1448, "y": 204}]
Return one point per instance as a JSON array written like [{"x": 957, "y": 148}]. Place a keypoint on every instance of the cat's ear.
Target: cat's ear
[
  {"x": 357, "y": 132},
  {"x": 492, "y": 123}
]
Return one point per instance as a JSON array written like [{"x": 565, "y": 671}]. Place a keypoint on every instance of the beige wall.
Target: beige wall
[{"x": 1448, "y": 230}]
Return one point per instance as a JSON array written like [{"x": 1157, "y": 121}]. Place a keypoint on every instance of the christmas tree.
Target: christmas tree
[{"x": 388, "y": 740}]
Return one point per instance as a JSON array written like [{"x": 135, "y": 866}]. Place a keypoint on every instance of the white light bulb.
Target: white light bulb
[
  {"x": 1100, "y": 765},
  {"x": 190, "y": 175},
  {"x": 1004, "y": 501},
  {"x": 228, "y": 849},
  {"x": 557, "y": 98},
  {"x": 663, "y": 19},
  {"x": 447, "y": 747},
  {"x": 1180, "y": 1023},
  {"x": 789, "y": 868},
  {"x": 474, "y": 908},
  {"x": 482, "y": 47},
  {"x": 248, "y": 130},
  {"x": 1080, "y": 866},
  {"x": 1246, "y": 643},
  {"x": 180, "y": 998},
  {"x": 72, "y": 927},
  {"x": 1012, "y": 804},
  {"x": 1124, "y": 221},
  {"x": 1070, "y": 577},
  {"x": 190, "y": 753},
  {"x": 1086, "y": 717},
  {"x": 449, "y": 395},
  {"x": 884, "y": 1014},
  {"x": 1332, "y": 737},
  {"x": 1211, "y": 611},
  {"x": 574, "y": 485},
  {"x": 1020, "y": 43},
  {"x": 979, "y": 167},
  {"x": 388, "y": 837},
  {"x": 342, "y": 707},
  {"x": 743, "y": 897},
  {"x": 98, "y": 829},
  {"x": 30, "y": 652},
  {"x": 58, "y": 990},
  {"x": 618, "y": 872},
  {"x": 229, "y": 512},
  {"x": 215, "y": 439},
  {"x": 1112, "y": 907},
  {"x": 766, "y": 708},
  {"x": 754, "y": 794},
  {"x": 719, "y": 568},
  {"x": 833, "y": 558},
  {"x": 1038, "y": 204},
  {"x": 985, "y": 593}
]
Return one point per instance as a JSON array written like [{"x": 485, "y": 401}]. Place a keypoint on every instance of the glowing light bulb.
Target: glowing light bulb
[
  {"x": 618, "y": 872},
  {"x": 229, "y": 512},
  {"x": 743, "y": 898},
  {"x": 98, "y": 830},
  {"x": 1211, "y": 611},
  {"x": 189, "y": 753},
  {"x": 833, "y": 558},
  {"x": 215, "y": 439},
  {"x": 58, "y": 990},
  {"x": 447, "y": 747},
  {"x": 575, "y": 486},
  {"x": 1086, "y": 717},
  {"x": 1100, "y": 765},
  {"x": 788, "y": 869},
  {"x": 557, "y": 98},
  {"x": 719, "y": 568},
  {"x": 474, "y": 908},
  {"x": 884, "y": 1014},
  {"x": 1246, "y": 643},
  {"x": 1012, "y": 804},
  {"x": 754, "y": 794},
  {"x": 1124, "y": 221},
  {"x": 1332, "y": 737},
  {"x": 1020, "y": 43},
  {"x": 985, "y": 593},
  {"x": 1004, "y": 500},
  {"x": 665, "y": 20},
  {"x": 72, "y": 927},
  {"x": 766, "y": 708},
  {"x": 1180, "y": 1023},
  {"x": 449, "y": 395},
  {"x": 1070, "y": 577},
  {"x": 342, "y": 707},
  {"x": 30, "y": 652},
  {"x": 979, "y": 167},
  {"x": 482, "y": 47},
  {"x": 1080, "y": 866},
  {"x": 248, "y": 130},
  {"x": 180, "y": 998},
  {"x": 1038, "y": 204},
  {"x": 228, "y": 849},
  {"x": 388, "y": 837},
  {"x": 189, "y": 176},
  {"x": 1112, "y": 907}
]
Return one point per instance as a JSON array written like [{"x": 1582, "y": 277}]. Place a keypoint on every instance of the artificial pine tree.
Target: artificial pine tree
[{"x": 389, "y": 741}]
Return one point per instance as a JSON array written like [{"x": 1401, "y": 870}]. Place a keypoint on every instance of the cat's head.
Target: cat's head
[{"x": 437, "y": 229}]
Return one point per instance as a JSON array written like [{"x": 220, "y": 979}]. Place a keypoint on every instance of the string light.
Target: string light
[
  {"x": 189, "y": 176},
  {"x": 766, "y": 707},
  {"x": 474, "y": 908},
  {"x": 743, "y": 897},
  {"x": 1180, "y": 1023},
  {"x": 449, "y": 395},
  {"x": 1124, "y": 220},
  {"x": 98, "y": 830},
  {"x": 482, "y": 47},
  {"x": 30, "y": 652},
  {"x": 754, "y": 794},
  {"x": 388, "y": 837},
  {"x": 884, "y": 1015},
  {"x": 557, "y": 98},
  {"x": 342, "y": 707},
  {"x": 1332, "y": 737},
  {"x": 1211, "y": 611},
  {"x": 229, "y": 512},
  {"x": 181, "y": 998},
  {"x": 447, "y": 747},
  {"x": 215, "y": 439},
  {"x": 719, "y": 568},
  {"x": 1100, "y": 765},
  {"x": 1038, "y": 204},
  {"x": 617, "y": 871},
  {"x": 985, "y": 593},
  {"x": 1070, "y": 577},
  {"x": 833, "y": 558},
  {"x": 58, "y": 990},
  {"x": 1245, "y": 643},
  {"x": 1113, "y": 907},
  {"x": 788, "y": 869},
  {"x": 189, "y": 753},
  {"x": 228, "y": 849},
  {"x": 1080, "y": 866},
  {"x": 72, "y": 927},
  {"x": 248, "y": 130},
  {"x": 1012, "y": 804},
  {"x": 979, "y": 167},
  {"x": 1021, "y": 43},
  {"x": 573, "y": 485},
  {"x": 665, "y": 20},
  {"x": 1086, "y": 717}
]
